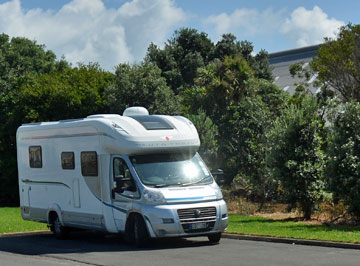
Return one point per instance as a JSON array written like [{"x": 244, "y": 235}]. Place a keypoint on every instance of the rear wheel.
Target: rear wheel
[
  {"x": 58, "y": 230},
  {"x": 141, "y": 235},
  {"x": 214, "y": 238}
]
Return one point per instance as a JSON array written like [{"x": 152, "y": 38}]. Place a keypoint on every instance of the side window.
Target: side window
[
  {"x": 35, "y": 156},
  {"x": 123, "y": 180},
  {"x": 89, "y": 163},
  {"x": 67, "y": 160}
]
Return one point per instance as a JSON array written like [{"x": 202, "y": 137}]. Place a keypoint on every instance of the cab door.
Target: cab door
[{"x": 123, "y": 192}]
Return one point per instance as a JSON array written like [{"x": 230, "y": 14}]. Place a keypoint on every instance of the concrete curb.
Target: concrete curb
[
  {"x": 29, "y": 233},
  {"x": 293, "y": 241}
]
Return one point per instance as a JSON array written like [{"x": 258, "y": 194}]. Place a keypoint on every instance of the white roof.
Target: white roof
[{"x": 130, "y": 135}]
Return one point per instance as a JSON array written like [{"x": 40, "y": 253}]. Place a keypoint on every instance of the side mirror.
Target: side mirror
[
  {"x": 219, "y": 175},
  {"x": 119, "y": 186}
]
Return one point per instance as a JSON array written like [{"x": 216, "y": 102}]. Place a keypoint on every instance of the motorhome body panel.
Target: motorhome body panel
[{"x": 67, "y": 191}]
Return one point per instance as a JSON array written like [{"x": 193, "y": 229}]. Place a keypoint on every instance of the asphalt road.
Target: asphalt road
[{"x": 93, "y": 249}]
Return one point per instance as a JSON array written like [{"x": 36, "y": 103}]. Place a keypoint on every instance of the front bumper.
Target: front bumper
[{"x": 164, "y": 220}]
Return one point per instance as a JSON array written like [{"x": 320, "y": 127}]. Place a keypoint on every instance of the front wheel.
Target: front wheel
[
  {"x": 214, "y": 238},
  {"x": 141, "y": 235}
]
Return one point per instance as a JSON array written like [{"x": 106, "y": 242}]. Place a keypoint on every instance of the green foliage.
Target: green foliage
[
  {"x": 186, "y": 51},
  {"x": 73, "y": 93},
  {"x": 141, "y": 85},
  {"x": 295, "y": 155},
  {"x": 272, "y": 96},
  {"x": 304, "y": 87},
  {"x": 243, "y": 146},
  {"x": 343, "y": 166},
  {"x": 20, "y": 59},
  {"x": 218, "y": 85},
  {"x": 243, "y": 108},
  {"x": 338, "y": 62},
  {"x": 189, "y": 50}
]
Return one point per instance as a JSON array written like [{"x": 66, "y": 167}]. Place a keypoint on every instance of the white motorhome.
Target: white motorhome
[{"x": 136, "y": 174}]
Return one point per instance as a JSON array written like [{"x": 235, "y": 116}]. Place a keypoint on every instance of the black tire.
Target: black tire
[
  {"x": 214, "y": 238},
  {"x": 59, "y": 231},
  {"x": 141, "y": 235}
]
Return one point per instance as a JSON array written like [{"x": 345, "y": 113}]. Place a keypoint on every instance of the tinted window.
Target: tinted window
[
  {"x": 67, "y": 160},
  {"x": 35, "y": 156},
  {"x": 89, "y": 163}
]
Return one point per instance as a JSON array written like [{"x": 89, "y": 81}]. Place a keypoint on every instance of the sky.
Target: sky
[{"x": 116, "y": 31}]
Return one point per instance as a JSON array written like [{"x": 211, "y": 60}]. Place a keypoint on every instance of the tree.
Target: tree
[
  {"x": 186, "y": 51},
  {"x": 218, "y": 85},
  {"x": 189, "y": 50},
  {"x": 243, "y": 108},
  {"x": 244, "y": 145},
  {"x": 338, "y": 63},
  {"x": 295, "y": 155},
  {"x": 73, "y": 93},
  {"x": 229, "y": 46},
  {"x": 141, "y": 85},
  {"x": 343, "y": 155},
  {"x": 20, "y": 58}
]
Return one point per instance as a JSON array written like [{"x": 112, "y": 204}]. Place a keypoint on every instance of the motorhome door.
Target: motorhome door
[{"x": 124, "y": 191}]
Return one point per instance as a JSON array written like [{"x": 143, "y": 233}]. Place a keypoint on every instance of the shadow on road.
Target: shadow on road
[{"x": 84, "y": 242}]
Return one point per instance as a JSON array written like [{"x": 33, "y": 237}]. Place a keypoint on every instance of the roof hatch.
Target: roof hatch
[{"x": 153, "y": 122}]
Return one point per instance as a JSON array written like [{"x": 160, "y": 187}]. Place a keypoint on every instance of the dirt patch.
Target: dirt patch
[{"x": 324, "y": 214}]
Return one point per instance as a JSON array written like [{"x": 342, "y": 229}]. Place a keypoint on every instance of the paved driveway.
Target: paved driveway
[{"x": 93, "y": 249}]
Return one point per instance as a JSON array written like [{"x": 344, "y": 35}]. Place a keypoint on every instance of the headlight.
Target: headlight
[
  {"x": 152, "y": 196},
  {"x": 218, "y": 193}
]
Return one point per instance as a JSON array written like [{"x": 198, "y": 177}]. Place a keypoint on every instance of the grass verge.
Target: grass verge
[
  {"x": 252, "y": 225},
  {"x": 11, "y": 221}
]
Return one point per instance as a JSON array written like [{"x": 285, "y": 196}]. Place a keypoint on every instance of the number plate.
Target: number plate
[{"x": 197, "y": 226}]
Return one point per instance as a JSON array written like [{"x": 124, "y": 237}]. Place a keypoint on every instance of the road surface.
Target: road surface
[{"x": 87, "y": 248}]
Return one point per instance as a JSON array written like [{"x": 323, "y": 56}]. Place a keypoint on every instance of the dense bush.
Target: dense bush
[
  {"x": 343, "y": 162},
  {"x": 295, "y": 155}
]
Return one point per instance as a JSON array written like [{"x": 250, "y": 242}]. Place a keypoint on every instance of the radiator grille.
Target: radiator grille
[{"x": 190, "y": 217}]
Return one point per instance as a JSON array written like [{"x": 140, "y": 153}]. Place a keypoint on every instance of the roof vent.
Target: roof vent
[{"x": 135, "y": 110}]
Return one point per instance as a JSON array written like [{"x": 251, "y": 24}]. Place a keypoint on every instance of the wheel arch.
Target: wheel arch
[
  {"x": 129, "y": 225},
  {"x": 54, "y": 211}
]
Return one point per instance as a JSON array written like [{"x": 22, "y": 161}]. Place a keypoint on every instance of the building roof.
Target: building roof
[{"x": 281, "y": 62}]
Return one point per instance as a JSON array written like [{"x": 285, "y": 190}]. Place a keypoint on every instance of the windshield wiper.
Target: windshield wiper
[
  {"x": 193, "y": 183},
  {"x": 161, "y": 185}
]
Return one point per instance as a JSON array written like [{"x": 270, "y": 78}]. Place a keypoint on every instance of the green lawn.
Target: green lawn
[
  {"x": 11, "y": 221},
  {"x": 251, "y": 225}
]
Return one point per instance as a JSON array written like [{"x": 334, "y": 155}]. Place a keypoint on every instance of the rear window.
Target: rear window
[{"x": 35, "y": 156}]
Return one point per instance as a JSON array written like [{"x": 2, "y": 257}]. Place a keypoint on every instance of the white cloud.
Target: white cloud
[
  {"x": 85, "y": 30},
  {"x": 248, "y": 22},
  {"x": 307, "y": 27}
]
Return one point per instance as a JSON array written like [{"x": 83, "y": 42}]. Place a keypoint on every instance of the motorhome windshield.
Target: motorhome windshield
[{"x": 161, "y": 170}]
